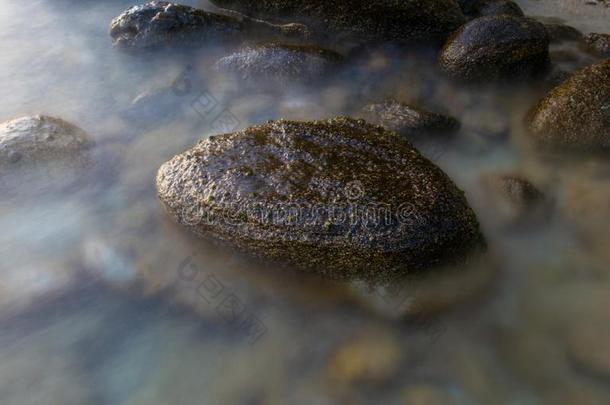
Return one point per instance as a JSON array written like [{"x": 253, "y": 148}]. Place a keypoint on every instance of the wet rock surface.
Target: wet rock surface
[
  {"x": 157, "y": 24},
  {"x": 39, "y": 139},
  {"x": 410, "y": 121},
  {"x": 480, "y": 8},
  {"x": 497, "y": 48},
  {"x": 321, "y": 168},
  {"x": 280, "y": 64},
  {"x": 576, "y": 114},
  {"x": 517, "y": 201},
  {"x": 562, "y": 33},
  {"x": 598, "y": 44},
  {"x": 412, "y": 21}
]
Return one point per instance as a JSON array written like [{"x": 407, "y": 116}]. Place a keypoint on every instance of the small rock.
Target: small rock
[
  {"x": 497, "y": 48},
  {"x": 158, "y": 23},
  {"x": 598, "y": 44},
  {"x": 576, "y": 114},
  {"x": 411, "y": 21},
  {"x": 372, "y": 357},
  {"x": 279, "y": 64},
  {"x": 409, "y": 121},
  {"x": 562, "y": 33},
  {"x": 37, "y": 140},
  {"x": 516, "y": 200},
  {"x": 304, "y": 175}
]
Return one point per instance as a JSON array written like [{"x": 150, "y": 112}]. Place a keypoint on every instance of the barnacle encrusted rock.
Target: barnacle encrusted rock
[
  {"x": 412, "y": 21},
  {"x": 576, "y": 114},
  {"x": 496, "y": 48},
  {"x": 160, "y": 23},
  {"x": 341, "y": 197}
]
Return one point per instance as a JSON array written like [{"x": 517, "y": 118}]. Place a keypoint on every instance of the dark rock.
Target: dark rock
[
  {"x": 157, "y": 24},
  {"x": 562, "y": 33},
  {"x": 496, "y": 48},
  {"x": 480, "y": 8},
  {"x": 37, "y": 140},
  {"x": 410, "y": 121},
  {"x": 411, "y": 21},
  {"x": 576, "y": 114},
  {"x": 598, "y": 44},
  {"x": 296, "y": 192},
  {"x": 515, "y": 200},
  {"x": 280, "y": 64}
]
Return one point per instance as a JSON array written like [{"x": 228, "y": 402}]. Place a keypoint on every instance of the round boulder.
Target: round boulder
[
  {"x": 576, "y": 114},
  {"x": 341, "y": 197},
  {"x": 497, "y": 48}
]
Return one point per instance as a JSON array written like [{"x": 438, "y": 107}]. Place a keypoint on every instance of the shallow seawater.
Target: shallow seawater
[{"x": 103, "y": 300}]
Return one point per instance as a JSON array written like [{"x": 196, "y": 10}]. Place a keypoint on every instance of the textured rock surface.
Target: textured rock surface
[
  {"x": 479, "y": 8},
  {"x": 409, "y": 121},
  {"x": 496, "y": 48},
  {"x": 40, "y": 139},
  {"x": 576, "y": 114},
  {"x": 429, "y": 21},
  {"x": 280, "y": 64},
  {"x": 158, "y": 23},
  {"x": 599, "y": 44},
  {"x": 285, "y": 191}
]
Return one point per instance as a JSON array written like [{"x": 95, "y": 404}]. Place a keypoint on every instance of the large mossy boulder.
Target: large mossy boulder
[
  {"x": 412, "y": 21},
  {"x": 497, "y": 48},
  {"x": 341, "y": 197},
  {"x": 576, "y": 114},
  {"x": 157, "y": 24}
]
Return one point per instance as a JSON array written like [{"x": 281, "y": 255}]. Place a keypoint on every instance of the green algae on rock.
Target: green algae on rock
[
  {"x": 412, "y": 21},
  {"x": 497, "y": 48},
  {"x": 341, "y": 197},
  {"x": 576, "y": 114},
  {"x": 280, "y": 64},
  {"x": 159, "y": 23},
  {"x": 409, "y": 121}
]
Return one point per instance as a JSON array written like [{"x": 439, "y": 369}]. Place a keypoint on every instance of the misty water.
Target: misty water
[{"x": 101, "y": 297}]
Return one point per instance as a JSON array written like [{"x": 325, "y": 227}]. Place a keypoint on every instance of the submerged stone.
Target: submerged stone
[
  {"x": 412, "y": 21},
  {"x": 598, "y": 44},
  {"x": 37, "y": 140},
  {"x": 341, "y": 197},
  {"x": 159, "y": 23},
  {"x": 576, "y": 114},
  {"x": 280, "y": 64},
  {"x": 497, "y": 48},
  {"x": 480, "y": 8},
  {"x": 410, "y": 121},
  {"x": 562, "y": 33}
]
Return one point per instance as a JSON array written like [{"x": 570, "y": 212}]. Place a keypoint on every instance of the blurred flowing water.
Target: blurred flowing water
[{"x": 101, "y": 297}]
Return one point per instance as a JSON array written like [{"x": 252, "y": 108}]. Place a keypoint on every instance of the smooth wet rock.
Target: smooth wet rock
[
  {"x": 280, "y": 64},
  {"x": 480, "y": 8},
  {"x": 410, "y": 121},
  {"x": 38, "y": 140},
  {"x": 497, "y": 48},
  {"x": 598, "y": 44},
  {"x": 158, "y": 23},
  {"x": 285, "y": 190},
  {"x": 576, "y": 114},
  {"x": 412, "y": 21},
  {"x": 562, "y": 33},
  {"x": 516, "y": 201}
]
